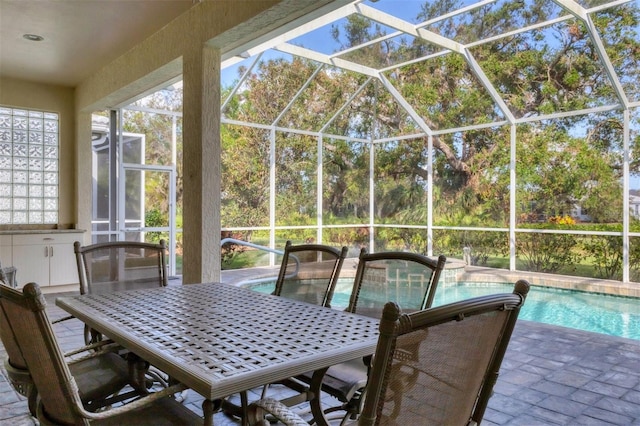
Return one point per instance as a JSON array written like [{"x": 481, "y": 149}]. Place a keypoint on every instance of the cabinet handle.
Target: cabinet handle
[
  {"x": 51, "y": 251},
  {"x": 46, "y": 252}
]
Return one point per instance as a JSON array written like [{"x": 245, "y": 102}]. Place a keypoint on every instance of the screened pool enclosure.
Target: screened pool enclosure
[{"x": 506, "y": 131}]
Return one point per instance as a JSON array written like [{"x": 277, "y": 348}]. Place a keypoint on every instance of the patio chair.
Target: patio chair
[
  {"x": 59, "y": 401},
  {"x": 14, "y": 364},
  {"x": 8, "y": 276},
  {"x": 117, "y": 266},
  {"x": 409, "y": 279},
  {"x": 101, "y": 375},
  {"x": 120, "y": 265},
  {"x": 436, "y": 366},
  {"x": 308, "y": 273}
]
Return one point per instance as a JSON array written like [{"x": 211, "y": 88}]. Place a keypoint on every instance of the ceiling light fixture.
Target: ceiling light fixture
[{"x": 33, "y": 37}]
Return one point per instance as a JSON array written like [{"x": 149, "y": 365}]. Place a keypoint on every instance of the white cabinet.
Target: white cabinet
[
  {"x": 6, "y": 258},
  {"x": 46, "y": 259}
]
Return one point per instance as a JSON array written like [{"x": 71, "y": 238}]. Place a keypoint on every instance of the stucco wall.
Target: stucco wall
[{"x": 23, "y": 94}]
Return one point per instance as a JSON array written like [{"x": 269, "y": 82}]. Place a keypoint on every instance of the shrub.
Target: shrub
[
  {"x": 545, "y": 252},
  {"x": 607, "y": 254}
]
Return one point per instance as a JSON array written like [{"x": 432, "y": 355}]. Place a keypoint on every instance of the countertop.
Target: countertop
[{"x": 39, "y": 231}]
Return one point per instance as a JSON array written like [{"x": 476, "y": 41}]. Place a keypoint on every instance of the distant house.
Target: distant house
[
  {"x": 581, "y": 214},
  {"x": 634, "y": 206}
]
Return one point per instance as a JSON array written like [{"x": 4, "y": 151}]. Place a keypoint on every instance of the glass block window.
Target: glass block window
[{"x": 29, "y": 155}]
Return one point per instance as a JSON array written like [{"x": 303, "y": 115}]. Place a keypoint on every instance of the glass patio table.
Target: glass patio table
[{"x": 220, "y": 339}]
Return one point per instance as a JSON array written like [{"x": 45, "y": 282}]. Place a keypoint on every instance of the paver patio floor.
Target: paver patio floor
[{"x": 551, "y": 375}]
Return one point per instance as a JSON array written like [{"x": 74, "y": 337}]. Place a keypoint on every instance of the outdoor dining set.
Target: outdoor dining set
[{"x": 388, "y": 358}]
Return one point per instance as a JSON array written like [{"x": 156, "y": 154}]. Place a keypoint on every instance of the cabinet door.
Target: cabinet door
[
  {"x": 62, "y": 266},
  {"x": 47, "y": 259},
  {"x": 6, "y": 258},
  {"x": 32, "y": 264}
]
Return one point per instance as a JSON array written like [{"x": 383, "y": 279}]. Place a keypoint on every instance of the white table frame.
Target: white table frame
[{"x": 220, "y": 339}]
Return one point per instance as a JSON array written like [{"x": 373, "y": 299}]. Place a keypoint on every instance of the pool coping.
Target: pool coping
[{"x": 567, "y": 282}]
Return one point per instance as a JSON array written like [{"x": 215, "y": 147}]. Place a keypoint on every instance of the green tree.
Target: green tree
[{"x": 561, "y": 163}]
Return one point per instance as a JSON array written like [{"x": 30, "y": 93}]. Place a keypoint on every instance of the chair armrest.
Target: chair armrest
[
  {"x": 167, "y": 392},
  {"x": 68, "y": 317},
  {"x": 98, "y": 347},
  {"x": 258, "y": 409},
  {"x": 93, "y": 350}
]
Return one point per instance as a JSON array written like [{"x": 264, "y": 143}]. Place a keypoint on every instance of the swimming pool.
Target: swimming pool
[{"x": 613, "y": 315}]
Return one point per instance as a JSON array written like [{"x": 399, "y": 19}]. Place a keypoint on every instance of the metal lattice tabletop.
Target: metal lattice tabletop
[{"x": 220, "y": 339}]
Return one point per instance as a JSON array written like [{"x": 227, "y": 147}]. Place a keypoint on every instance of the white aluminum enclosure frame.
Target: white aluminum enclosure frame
[
  {"x": 281, "y": 40},
  {"x": 142, "y": 167},
  {"x": 280, "y": 43}
]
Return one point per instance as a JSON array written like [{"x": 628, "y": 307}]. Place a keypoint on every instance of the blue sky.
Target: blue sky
[{"x": 321, "y": 39}]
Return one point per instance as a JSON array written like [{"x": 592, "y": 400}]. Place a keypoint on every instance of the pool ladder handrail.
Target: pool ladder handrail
[{"x": 263, "y": 248}]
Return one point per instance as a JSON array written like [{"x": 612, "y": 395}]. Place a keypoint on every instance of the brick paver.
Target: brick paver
[{"x": 550, "y": 375}]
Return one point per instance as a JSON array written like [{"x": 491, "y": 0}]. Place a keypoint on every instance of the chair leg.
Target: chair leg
[
  {"x": 233, "y": 410},
  {"x": 32, "y": 400},
  {"x": 244, "y": 403},
  {"x": 264, "y": 391},
  {"x": 352, "y": 409},
  {"x": 180, "y": 397},
  {"x": 138, "y": 369},
  {"x": 315, "y": 388}
]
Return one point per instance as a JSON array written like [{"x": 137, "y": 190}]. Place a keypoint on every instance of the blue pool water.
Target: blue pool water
[{"x": 612, "y": 315}]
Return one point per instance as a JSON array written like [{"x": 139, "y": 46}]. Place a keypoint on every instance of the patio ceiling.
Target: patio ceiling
[
  {"x": 396, "y": 22},
  {"x": 80, "y": 37}
]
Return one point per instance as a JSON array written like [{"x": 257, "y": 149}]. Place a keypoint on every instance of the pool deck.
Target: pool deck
[
  {"x": 550, "y": 376},
  {"x": 567, "y": 282}
]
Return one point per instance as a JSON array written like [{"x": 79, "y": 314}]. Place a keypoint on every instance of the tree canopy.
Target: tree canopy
[{"x": 561, "y": 162}]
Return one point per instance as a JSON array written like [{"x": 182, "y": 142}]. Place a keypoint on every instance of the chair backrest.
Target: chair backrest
[
  {"x": 9, "y": 341},
  {"x": 439, "y": 366},
  {"x": 120, "y": 265},
  {"x": 309, "y": 272},
  {"x": 27, "y": 318},
  {"x": 409, "y": 279},
  {"x": 8, "y": 276}
]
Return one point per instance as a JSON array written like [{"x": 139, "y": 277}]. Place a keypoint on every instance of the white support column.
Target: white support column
[
  {"x": 320, "y": 177},
  {"x": 117, "y": 175},
  {"x": 512, "y": 200},
  {"x": 172, "y": 196},
  {"x": 430, "y": 195},
  {"x": 626, "y": 276},
  {"x": 372, "y": 197},
  {"x": 84, "y": 181},
  {"x": 202, "y": 172},
  {"x": 272, "y": 194}
]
